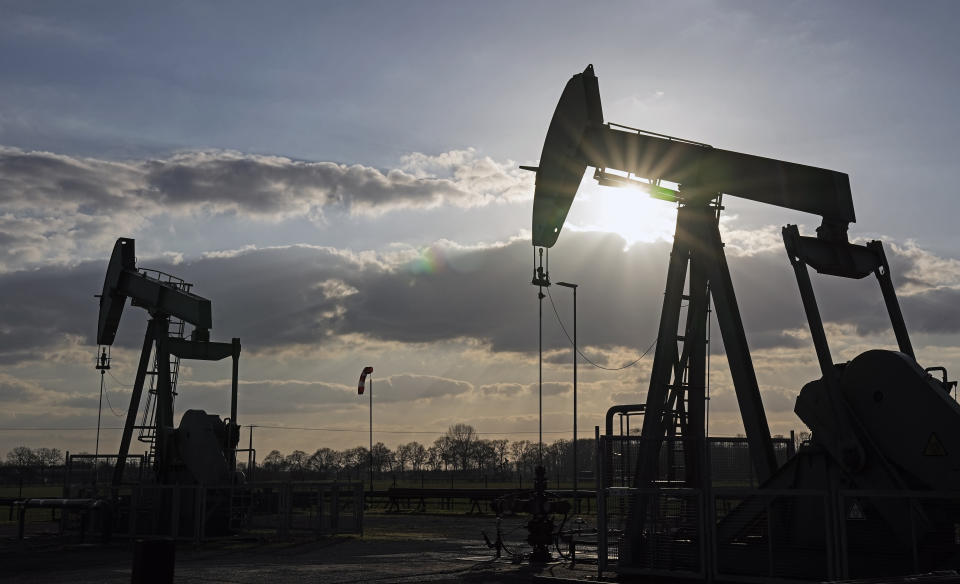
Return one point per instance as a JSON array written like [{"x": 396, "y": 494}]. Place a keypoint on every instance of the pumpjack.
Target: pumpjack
[
  {"x": 202, "y": 450},
  {"x": 879, "y": 422}
]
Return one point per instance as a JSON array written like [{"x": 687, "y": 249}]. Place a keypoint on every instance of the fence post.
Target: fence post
[
  {"x": 175, "y": 515},
  {"x": 200, "y": 514},
  {"x": 335, "y": 509},
  {"x": 284, "y": 509},
  {"x": 840, "y": 520},
  {"x": 22, "y": 518},
  {"x": 830, "y": 539},
  {"x": 320, "y": 518},
  {"x": 599, "y": 488},
  {"x": 132, "y": 519},
  {"x": 913, "y": 534},
  {"x": 770, "y": 569}
]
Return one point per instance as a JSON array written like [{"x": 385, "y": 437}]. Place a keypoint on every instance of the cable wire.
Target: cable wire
[
  {"x": 120, "y": 383},
  {"x": 106, "y": 394},
  {"x": 587, "y": 359}
]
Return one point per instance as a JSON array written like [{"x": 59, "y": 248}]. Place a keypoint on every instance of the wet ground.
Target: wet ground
[{"x": 394, "y": 548}]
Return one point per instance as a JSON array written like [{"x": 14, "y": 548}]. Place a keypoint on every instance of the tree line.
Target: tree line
[{"x": 461, "y": 451}]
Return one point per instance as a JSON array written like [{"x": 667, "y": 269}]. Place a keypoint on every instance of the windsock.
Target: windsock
[{"x": 363, "y": 379}]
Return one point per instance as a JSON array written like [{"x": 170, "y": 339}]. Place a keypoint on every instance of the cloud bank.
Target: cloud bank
[
  {"x": 307, "y": 295},
  {"x": 55, "y": 207}
]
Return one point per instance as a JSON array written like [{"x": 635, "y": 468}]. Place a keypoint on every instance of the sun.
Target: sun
[{"x": 629, "y": 212}]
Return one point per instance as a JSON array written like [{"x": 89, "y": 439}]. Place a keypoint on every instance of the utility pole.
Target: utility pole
[{"x": 250, "y": 458}]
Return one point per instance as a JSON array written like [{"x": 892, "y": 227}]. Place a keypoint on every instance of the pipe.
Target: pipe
[{"x": 622, "y": 409}]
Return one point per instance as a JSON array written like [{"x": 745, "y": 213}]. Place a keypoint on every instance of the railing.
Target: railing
[
  {"x": 198, "y": 513},
  {"x": 282, "y": 510},
  {"x": 748, "y": 534}
]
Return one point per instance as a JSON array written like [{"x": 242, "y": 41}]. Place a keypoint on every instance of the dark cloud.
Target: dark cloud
[
  {"x": 406, "y": 388},
  {"x": 308, "y": 295},
  {"x": 248, "y": 183},
  {"x": 52, "y": 205},
  {"x": 265, "y": 396},
  {"x": 41, "y": 308},
  {"x": 935, "y": 311}
]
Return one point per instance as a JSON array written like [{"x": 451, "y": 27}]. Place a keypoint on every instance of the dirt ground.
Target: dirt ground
[{"x": 394, "y": 548}]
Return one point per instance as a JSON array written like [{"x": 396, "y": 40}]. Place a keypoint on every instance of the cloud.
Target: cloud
[
  {"x": 408, "y": 388},
  {"x": 316, "y": 296},
  {"x": 16, "y": 390},
  {"x": 502, "y": 389},
  {"x": 54, "y": 208},
  {"x": 286, "y": 396}
]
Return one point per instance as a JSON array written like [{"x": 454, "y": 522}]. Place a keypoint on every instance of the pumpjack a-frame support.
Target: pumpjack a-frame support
[
  {"x": 678, "y": 379},
  {"x": 676, "y": 398}
]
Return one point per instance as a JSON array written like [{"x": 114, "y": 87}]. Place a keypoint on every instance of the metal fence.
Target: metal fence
[
  {"x": 282, "y": 510},
  {"x": 668, "y": 538},
  {"x": 730, "y": 462},
  {"x": 198, "y": 512},
  {"x": 747, "y": 534},
  {"x": 883, "y": 531}
]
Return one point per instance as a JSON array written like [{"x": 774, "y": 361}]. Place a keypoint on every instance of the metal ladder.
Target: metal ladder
[{"x": 175, "y": 330}]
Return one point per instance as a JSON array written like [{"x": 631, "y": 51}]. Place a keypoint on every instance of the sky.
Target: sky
[{"x": 341, "y": 180}]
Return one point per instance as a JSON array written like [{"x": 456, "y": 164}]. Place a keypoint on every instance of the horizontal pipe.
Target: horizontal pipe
[{"x": 62, "y": 503}]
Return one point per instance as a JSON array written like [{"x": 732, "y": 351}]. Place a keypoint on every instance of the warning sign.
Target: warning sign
[
  {"x": 934, "y": 447},
  {"x": 856, "y": 512}
]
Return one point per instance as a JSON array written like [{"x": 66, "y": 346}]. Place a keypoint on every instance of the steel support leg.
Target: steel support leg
[
  {"x": 134, "y": 404},
  {"x": 164, "y": 411},
  {"x": 738, "y": 357},
  {"x": 890, "y": 299}
]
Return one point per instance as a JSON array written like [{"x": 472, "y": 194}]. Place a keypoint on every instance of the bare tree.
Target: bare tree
[
  {"x": 47, "y": 457},
  {"x": 434, "y": 458},
  {"x": 21, "y": 457},
  {"x": 382, "y": 457},
  {"x": 322, "y": 460},
  {"x": 418, "y": 455},
  {"x": 482, "y": 453},
  {"x": 401, "y": 455},
  {"x": 296, "y": 462},
  {"x": 461, "y": 438},
  {"x": 442, "y": 449},
  {"x": 518, "y": 452},
  {"x": 500, "y": 451},
  {"x": 274, "y": 461}
]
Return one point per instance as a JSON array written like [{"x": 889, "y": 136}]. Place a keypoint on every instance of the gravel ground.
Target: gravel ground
[{"x": 394, "y": 548}]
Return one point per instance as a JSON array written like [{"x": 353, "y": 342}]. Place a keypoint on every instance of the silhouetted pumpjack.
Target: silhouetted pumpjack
[
  {"x": 204, "y": 449},
  {"x": 851, "y": 410}
]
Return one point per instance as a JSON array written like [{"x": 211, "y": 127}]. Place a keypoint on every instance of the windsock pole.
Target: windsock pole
[{"x": 363, "y": 378}]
